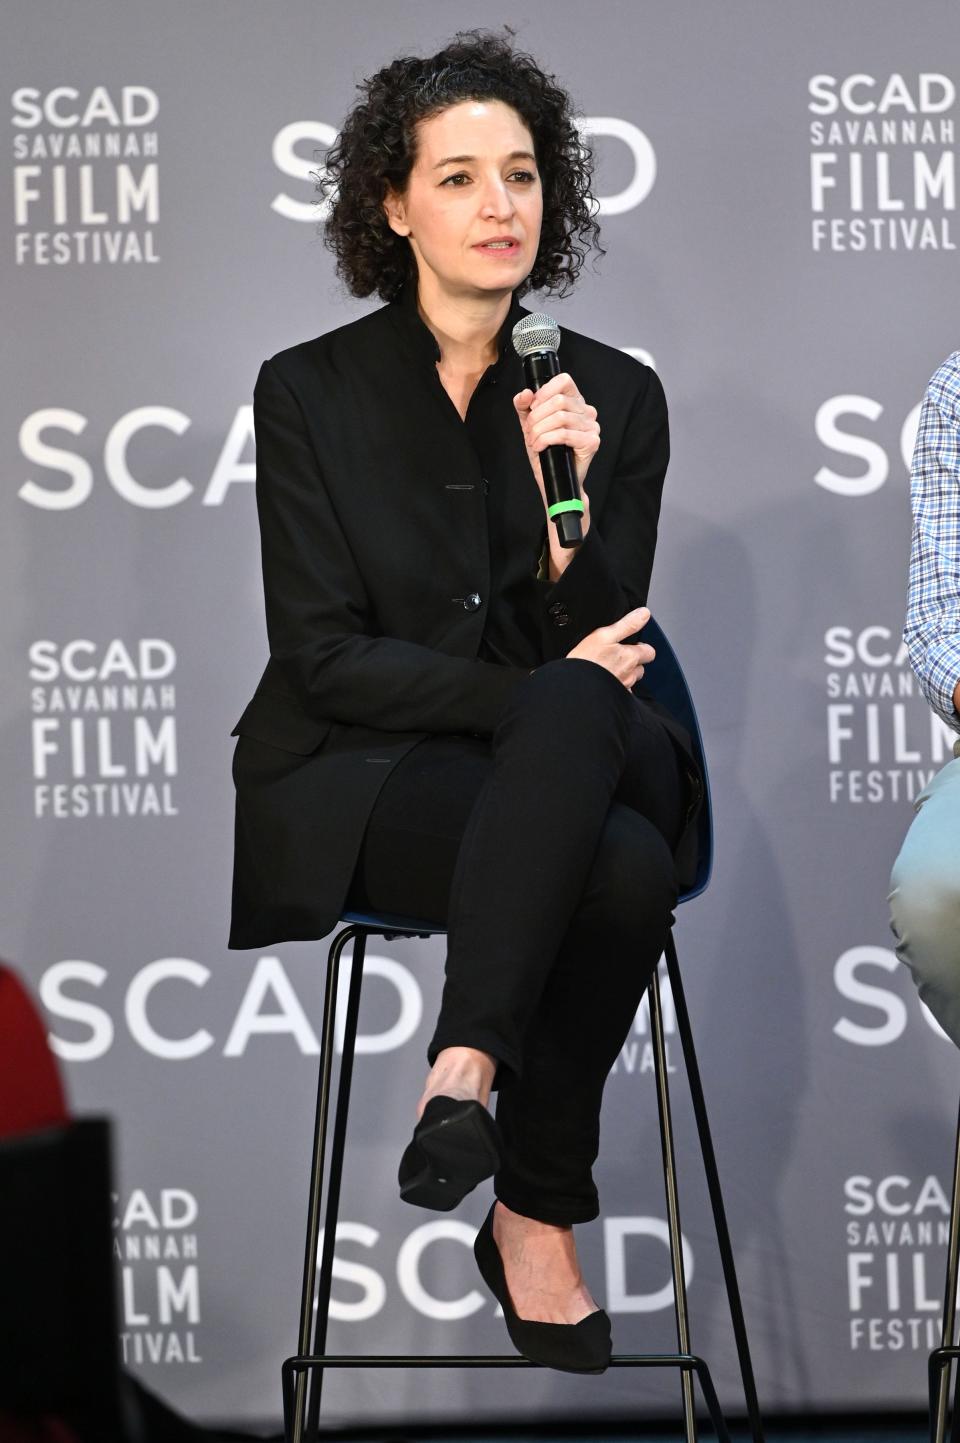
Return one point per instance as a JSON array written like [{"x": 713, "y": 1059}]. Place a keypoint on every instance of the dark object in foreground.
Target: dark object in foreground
[{"x": 58, "y": 1325}]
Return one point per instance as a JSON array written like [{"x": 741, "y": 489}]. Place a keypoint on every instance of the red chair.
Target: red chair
[{"x": 31, "y": 1093}]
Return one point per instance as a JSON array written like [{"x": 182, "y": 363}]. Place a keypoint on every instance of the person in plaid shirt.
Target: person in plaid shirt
[{"x": 925, "y": 885}]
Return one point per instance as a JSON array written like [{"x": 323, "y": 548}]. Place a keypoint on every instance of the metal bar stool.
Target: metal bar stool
[
  {"x": 301, "y": 1413},
  {"x": 942, "y": 1358}
]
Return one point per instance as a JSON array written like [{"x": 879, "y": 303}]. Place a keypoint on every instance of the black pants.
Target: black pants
[{"x": 547, "y": 851}]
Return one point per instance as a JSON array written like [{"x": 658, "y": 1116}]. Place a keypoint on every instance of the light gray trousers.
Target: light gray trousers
[{"x": 925, "y": 898}]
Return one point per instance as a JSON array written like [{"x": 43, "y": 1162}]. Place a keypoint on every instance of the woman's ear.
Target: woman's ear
[{"x": 396, "y": 213}]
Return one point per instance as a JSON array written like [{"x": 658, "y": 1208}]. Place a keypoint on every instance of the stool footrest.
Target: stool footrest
[
  {"x": 294, "y": 1368},
  {"x": 688, "y": 1361}
]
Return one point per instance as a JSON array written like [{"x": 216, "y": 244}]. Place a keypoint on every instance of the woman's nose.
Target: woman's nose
[{"x": 497, "y": 202}]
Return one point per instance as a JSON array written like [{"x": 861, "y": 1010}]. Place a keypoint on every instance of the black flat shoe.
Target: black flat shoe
[
  {"x": 455, "y": 1145},
  {"x": 582, "y": 1347}
]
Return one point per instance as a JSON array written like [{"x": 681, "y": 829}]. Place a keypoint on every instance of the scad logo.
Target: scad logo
[
  {"x": 155, "y": 1245},
  {"x": 86, "y": 183},
  {"x": 884, "y": 744},
  {"x": 103, "y": 729},
  {"x": 895, "y": 1230},
  {"x": 882, "y": 162}
]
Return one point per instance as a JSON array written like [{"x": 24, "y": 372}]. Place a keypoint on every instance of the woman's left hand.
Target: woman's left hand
[{"x": 557, "y": 415}]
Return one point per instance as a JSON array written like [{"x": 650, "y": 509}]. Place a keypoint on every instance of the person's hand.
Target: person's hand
[
  {"x": 608, "y": 648},
  {"x": 557, "y": 415}
]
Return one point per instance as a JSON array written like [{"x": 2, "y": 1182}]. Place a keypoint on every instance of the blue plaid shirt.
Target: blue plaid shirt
[{"x": 932, "y": 630}]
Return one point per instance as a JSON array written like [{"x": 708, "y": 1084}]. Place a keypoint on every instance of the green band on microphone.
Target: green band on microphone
[{"x": 559, "y": 506}]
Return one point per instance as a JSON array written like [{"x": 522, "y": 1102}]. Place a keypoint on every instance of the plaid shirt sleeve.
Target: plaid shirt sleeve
[{"x": 932, "y": 631}]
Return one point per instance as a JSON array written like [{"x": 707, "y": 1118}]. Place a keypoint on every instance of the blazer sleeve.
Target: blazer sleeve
[
  {"x": 610, "y": 574},
  {"x": 320, "y": 624}
]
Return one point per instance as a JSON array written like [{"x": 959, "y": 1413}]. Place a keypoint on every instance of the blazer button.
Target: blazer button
[
  {"x": 560, "y": 614},
  {"x": 472, "y": 602}
]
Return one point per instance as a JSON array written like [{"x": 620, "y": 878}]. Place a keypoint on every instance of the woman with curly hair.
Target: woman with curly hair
[{"x": 450, "y": 725}]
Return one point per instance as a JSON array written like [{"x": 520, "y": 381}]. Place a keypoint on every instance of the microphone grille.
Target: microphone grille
[{"x": 535, "y": 332}]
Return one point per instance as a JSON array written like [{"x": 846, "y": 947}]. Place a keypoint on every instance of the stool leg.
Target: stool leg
[
  {"x": 716, "y": 1196},
  {"x": 335, "y": 1176},
  {"x": 950, "y": 1301},
  {"x": 316, "y": 1171},
  {"x": 673, "y": 1206}
]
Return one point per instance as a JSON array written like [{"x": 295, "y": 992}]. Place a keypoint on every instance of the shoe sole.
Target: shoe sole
[{"x": 449, "y": 1158}]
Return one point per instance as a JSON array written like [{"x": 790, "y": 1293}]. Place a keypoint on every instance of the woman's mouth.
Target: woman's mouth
[{"x": 499, "y": 246}]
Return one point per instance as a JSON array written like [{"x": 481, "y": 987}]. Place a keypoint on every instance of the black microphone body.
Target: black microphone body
[{"x": 564, "y": 504}]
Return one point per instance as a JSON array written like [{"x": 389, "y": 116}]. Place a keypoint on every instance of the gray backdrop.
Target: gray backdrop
[{"x": 780, "y": 219}]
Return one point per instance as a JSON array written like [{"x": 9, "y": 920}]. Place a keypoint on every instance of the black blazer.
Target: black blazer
[{"x": 373, "y": 519}]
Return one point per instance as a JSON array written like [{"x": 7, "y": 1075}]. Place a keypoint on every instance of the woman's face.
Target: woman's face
[{"x": 473, "y": 203}]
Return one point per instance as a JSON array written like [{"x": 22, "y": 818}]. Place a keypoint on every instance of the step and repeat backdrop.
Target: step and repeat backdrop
[{"x": 778, "y": 194}]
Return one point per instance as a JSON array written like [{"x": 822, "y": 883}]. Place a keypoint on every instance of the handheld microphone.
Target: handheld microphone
[{"x": 536, "y": 340}]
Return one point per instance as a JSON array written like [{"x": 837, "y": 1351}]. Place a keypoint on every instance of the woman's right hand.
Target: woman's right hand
[{"x": 607, "y": 647}]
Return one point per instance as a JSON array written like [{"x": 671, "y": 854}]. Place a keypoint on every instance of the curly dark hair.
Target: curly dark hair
[{"x": 376, "y": 150}]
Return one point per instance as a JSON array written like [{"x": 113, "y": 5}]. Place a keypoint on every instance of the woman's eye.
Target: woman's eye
[{"x": 460, "y": 178}]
